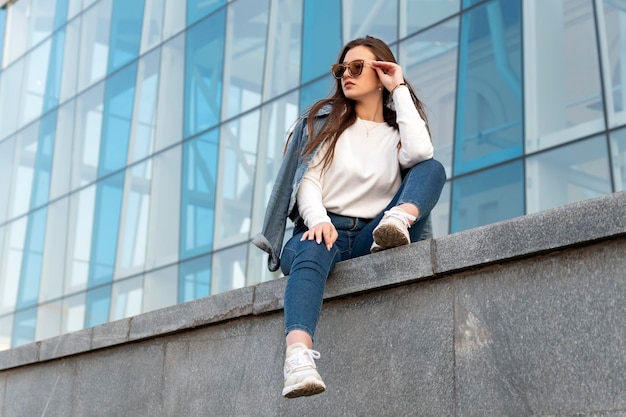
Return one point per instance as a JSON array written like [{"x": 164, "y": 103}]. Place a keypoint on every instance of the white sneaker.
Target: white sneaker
[
  {"x": 301, "y": 377},
  {"x": 393, "y": 230}
]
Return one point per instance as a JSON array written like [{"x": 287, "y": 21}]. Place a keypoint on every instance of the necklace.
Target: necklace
[{"x": 368, "y": 130}]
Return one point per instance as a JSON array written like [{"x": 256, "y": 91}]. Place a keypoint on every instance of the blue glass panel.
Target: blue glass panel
[
  {"x": 60, "y": 15},
  {"x": 30, "y": 274},
  {"x": 198, "y": 194},
  {"x": 489, "y": 96},
  {"x": 55, "y": 68},
  {"x": 487, "y": 197},
  {"x": 106, "y": 223},
  {"x": 197, "y": 9},
  {"x": 43, "y": 161},
  {"x": 468, "y": 3},
  {"x": 203, "y": 74},
  {"x": 321, "y": 41},
  {"x": 97, "y": 305},
  {"x": 126, "y": 22},
  {"x": 24, "y": 327},
  {"x": 315, "y": 91},
  {"x": 116, "y": 119},
  {"x": 194, "y": 279}
]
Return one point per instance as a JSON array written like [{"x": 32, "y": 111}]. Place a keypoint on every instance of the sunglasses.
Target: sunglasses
[{"x": 354, "y": 68}]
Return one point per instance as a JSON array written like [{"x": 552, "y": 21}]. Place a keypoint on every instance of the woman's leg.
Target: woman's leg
[
  {"x": 417, "y": 196},
  {"x": 307, "y": 265}
]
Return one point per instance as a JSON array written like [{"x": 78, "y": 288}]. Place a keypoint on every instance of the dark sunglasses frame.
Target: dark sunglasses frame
[{"x": 355, "y": 68}]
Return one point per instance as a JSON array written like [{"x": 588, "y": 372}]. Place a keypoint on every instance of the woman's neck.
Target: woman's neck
[{"x": 372, "y": 110}]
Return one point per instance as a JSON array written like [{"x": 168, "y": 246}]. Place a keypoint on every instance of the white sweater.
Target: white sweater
[{"x": 365, "y": 172}]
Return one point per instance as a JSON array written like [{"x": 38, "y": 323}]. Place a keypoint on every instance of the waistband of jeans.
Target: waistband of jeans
[{"x": 348, "y": 222}]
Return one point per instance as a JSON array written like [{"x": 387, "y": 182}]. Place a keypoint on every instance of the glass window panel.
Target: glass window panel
[
  {"x": 152, "y": 29},
  {"x": 54, "y": 251},
  {"x": 7, "y": 149},
  {"x": 3, "y": 21},
  {"x": 79, "y": 239},
  {"x": 568, "y": 174},
  {"x": 69, "y": 73},
  {"x": 488, "y": 197},
  {"x": 612, "y": 30},
  {"x": 10, "y": 97},
  {"x": 563, "y": 99},
  {"x": 116, "y": 120},
  {"x": 160, "y": 288},
  {"x": 203, "y": 74},
  {"x": 49, "y": 318},
  {"x": 24, "y": 327},
  {"x": 24, "y": 170},
  {"x": 61, "y": 166},
  {"x": 233, "y": 206},
  {"x": 618, "y": 159},
  {"x": 197, "y": 9},
  {"x": 54, "y": 76},
  {"x": 316, "y": 91},
  {"x": 106, "y": 227},
  {"x": 36, "y": 70},
  {"x": 43, "y": 162},
  {"x": 194, "y": 279},
  {"x": 440, "y": 215},
  {"x": 378, "y": 18},
  {"x": 87, "y": 3},
  {"x": 174, "y": 17},
  {"x": 97, "y": 306},
  {"x": 489, "y": 95},
  {"x": 74, "y": 7},
  {"x": 60, "y": 13},
  {"x": 321, "y": 40},
  {"x": 229, "y": 269},
  {"x": 87, "y": 133},
  {"x": 429, "y": 62},
  {"x": 136, "y": 207},
  {"x": 17, "y": 31},
  {"x": 283, "y": 55},
  {"x": 198, "y": 194},
  {"x": 144, "y": 114},
  {"x": 125, "y": 38},
  {"x": 276, "y": 119},
  {"x": 417, "y": 15},
  {"x": 169, "y": 121},
  {"x": 6, "y": 330},
  {"x": 32, "y": 257},
  {"x": 73, "y": 318},
  {"x": 14, "y": 236},
  {"x": 243, "y": 77},
  {"x": 127, "y": 298},
  {"x": 165, "y": 209},
  {"x": 94, "y": 45}
]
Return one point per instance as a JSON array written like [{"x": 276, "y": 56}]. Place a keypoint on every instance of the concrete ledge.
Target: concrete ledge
[
  {"x": 523, "y": 317},
  {"x": 584, "y": 222}
]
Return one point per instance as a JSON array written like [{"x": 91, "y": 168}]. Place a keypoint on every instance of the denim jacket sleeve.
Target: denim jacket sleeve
[{"x": 280, "y": 202}]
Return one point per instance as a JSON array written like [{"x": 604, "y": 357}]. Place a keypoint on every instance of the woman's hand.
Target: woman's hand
[
  {"x": 322, "y": 232},
  {"x": 389, "y": 73}
]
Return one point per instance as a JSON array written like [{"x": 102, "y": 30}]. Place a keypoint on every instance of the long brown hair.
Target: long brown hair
[{"x": 343, "y": 114}]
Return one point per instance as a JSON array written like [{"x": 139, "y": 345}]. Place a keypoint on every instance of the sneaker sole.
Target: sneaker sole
[
  {"x": 308, "y": 387},
  {"x": 388, "y": 237}
]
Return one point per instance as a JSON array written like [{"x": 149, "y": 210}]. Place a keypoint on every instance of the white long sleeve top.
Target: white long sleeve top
[{"x": 365, "y": 172}]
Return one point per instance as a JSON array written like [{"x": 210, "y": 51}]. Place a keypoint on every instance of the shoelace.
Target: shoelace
[
  {"x": 303, "y": 358},
  {"x": 401, "y": 215}
]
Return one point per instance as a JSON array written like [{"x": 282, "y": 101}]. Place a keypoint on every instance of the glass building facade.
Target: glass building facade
[{"x": 139, "y": 140}]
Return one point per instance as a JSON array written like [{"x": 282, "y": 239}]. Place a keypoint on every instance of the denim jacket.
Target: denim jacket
[{"x": 282, "y": 202}]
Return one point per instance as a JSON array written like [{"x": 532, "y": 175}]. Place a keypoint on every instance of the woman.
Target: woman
[{"x": 357, "y": 177}]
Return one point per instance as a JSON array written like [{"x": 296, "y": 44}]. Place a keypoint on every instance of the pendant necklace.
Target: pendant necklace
[{"x": 367, "y": 131}]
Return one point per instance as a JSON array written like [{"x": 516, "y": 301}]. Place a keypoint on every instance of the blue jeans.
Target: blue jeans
[{"x": 309, "y": 264}]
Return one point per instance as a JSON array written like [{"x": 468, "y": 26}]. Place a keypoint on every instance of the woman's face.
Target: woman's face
[{"x": 365, "y": 86}]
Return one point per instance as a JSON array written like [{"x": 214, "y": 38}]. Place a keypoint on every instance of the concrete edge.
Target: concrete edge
[{"x": 587, "y": 221}]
